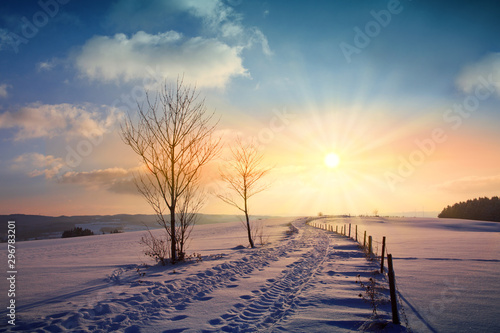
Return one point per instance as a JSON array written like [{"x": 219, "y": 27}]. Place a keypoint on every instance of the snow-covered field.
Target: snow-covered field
[
  {"x": 303, "y": 282},
  {"x": 448, "y": 270},
  {"x": 447, "y": 273}
]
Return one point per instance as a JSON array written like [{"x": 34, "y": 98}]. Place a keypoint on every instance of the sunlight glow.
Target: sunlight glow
[{"x": 332, "y": 160}]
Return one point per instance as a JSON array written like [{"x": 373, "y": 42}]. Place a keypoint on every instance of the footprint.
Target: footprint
[
  {"x": 58, "y": 315},
  {"x": 217, "y": 321},
  {"x": 232, "y": 286},
  {"x": 119, "y": 318},
  {"x": 246, "y": 297},
  {"x": 181, "y": 307},
  {"x": 177, "y": 318}
]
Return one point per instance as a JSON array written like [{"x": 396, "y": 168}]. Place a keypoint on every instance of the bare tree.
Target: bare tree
[
  {"x": 174, "y": 137},
  {"x": 241, "y": 176}
]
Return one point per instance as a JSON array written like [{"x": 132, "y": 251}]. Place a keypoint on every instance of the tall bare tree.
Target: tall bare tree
[
  {"x": 174, "y": 137},
  {"x": 242, "y": 176}
]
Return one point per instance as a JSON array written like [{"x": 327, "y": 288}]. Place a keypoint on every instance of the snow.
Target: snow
[
  {"x": 446, "y": 269},
  {"x": 446, "y": 272},
  {"x": 304, "y": 281}
]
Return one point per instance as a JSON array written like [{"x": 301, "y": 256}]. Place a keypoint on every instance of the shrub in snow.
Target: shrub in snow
[
  {"x": 371, "y": 294},
  {"x": 157, "y": 248},
  {"x": 77, "y": 232},
  {"x": 291, "y": 229}
]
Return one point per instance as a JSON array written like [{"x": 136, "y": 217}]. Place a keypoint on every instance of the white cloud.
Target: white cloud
[
  {"x": 209, "y": 58},
  {"x": 148, "y": 15},
  {"x": 472, "y": 184},
  {"x": 257, "y": 37},
  {"x": 206, "y": 62},
  {"x": 40, "y": 120},
  {"x": 47, "y": 65},
  {"x": 36, "y": 164},
  {"x": 101, "y": 176},
  {"x": 214, "y": 11},
  {"x": 117, "y": 180},
  {"x": 226, "y": 23},
  {"x": 475, "y": 75},
  {"x": 3, "y": 90}
]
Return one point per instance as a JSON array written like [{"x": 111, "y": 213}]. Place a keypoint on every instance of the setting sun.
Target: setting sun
[{"x": 332, "y": 160}]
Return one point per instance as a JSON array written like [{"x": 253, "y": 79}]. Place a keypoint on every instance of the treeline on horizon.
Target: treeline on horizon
[{"x": 484, "y": 209}]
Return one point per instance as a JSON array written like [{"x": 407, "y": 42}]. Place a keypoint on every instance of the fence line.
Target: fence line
[{"x": 371, "y": 248}]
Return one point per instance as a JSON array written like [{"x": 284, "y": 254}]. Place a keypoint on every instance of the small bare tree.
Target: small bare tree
[
  {"x": 157, "y": 247},
  {"x": 241, "y": 176},
  {"x": 174, "y": 137}
]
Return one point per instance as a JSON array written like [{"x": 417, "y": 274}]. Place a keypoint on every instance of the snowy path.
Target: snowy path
[
  {"x": 305, "y": 283},
  {"x": 277, "y": 298}
]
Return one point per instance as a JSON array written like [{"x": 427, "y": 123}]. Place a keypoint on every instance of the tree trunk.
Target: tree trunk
[
  {"x": 173, "y": 243},
  {"x": 249, "y": 233},
  {"x": 173, "y": 202},
  {"x": 248, "y": 227}
]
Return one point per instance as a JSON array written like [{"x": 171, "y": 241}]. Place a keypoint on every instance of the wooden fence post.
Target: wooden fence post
[
  {"x": 356, "y": 232},
  {"x": 364, "y": 241},
  {"x": 370, "y": 250},
  {"x": 392, "y": 286},
  {"x": 349, "y": 230},
  {"x": 337, "y": 229},
  {"x": 382, "y": 256}
]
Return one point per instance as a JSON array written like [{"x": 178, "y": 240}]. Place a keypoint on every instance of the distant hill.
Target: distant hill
[
  {"x": 30, "y": 227},
  {"x": 483, "y": 209}
]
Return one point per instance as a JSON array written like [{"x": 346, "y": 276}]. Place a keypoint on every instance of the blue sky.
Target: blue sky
[{"x": 69, "y": 69}]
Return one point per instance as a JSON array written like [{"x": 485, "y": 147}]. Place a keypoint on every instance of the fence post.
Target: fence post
[
  {"x": 337, "y": 229},
  {"x": 370, "y": 251},
  {"x": 356, "y": 232},
  {"x": 349, "y": 230},
  {"x": 382, "y": 256},
  {"x": 364, "y": 241},
  {"x": 392, "y": 286}
]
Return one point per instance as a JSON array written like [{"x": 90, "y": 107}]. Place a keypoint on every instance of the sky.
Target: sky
[{"x": 405, "y": 93}]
